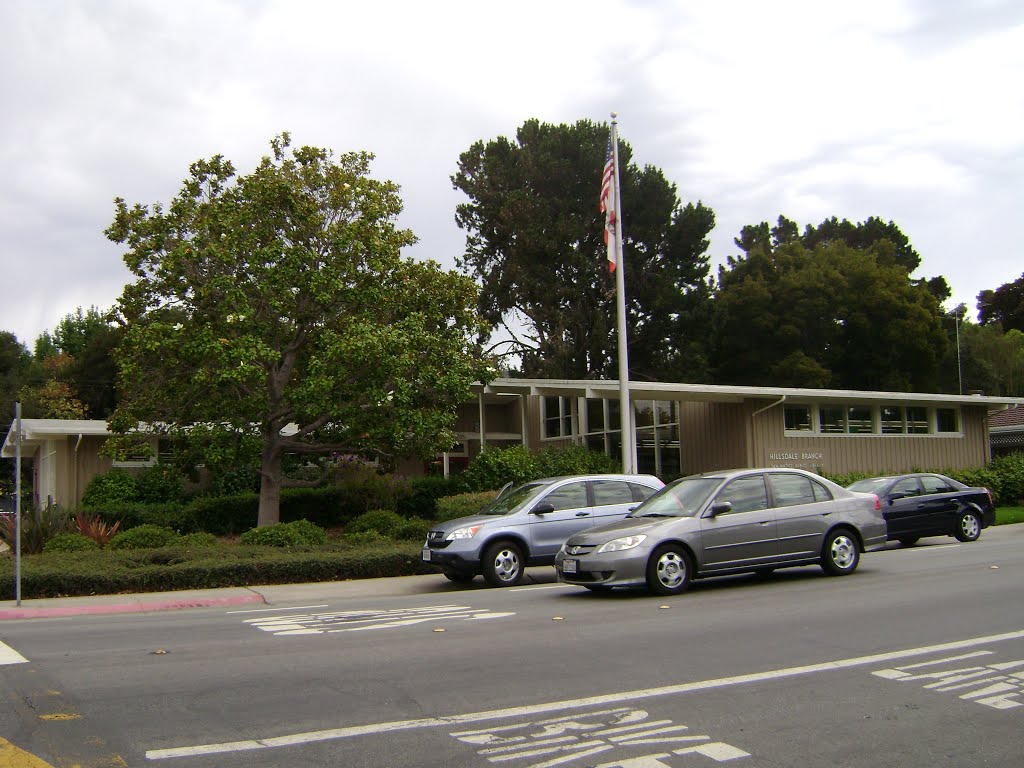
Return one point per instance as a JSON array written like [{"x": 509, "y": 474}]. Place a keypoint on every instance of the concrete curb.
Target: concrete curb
[{"x": 126, "y": 607}]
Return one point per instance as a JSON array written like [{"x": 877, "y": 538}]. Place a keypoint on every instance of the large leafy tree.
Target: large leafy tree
[
  {"x": 275, "y": 309},
  {"x": 535, "y": 243},
  {"x": 1003, "y": 306},
  {"x": 84, "y": 342},
  {"x": 831, "y": 315}
]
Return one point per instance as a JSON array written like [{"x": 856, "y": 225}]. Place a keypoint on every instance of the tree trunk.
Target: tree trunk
[{"x": 270, "y": 487}]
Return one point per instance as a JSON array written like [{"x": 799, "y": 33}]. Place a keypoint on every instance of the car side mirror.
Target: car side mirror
[
  {"x": 543, "y": 508},
  {"x": 721, "y": 507}
]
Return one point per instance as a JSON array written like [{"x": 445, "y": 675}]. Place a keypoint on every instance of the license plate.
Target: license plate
[
  {"x": 426, "y": 555},
  {"x": 568, "y": 566}
]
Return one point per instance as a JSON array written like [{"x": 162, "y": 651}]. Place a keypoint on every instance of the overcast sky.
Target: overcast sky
[{"x": 908, "y": 110}]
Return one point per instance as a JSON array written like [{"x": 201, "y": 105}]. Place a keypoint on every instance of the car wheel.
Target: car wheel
[
  {"x": 841, "y": 554},
  {"x": 459, "y": 577},
  {"x": 968, "y": 526},
  {"x": 908, "y": 541},
  {"x": 669, "y": 570},
  {"x": 503, "y": 564}
]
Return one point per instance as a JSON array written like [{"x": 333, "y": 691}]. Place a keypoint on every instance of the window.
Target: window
[
  {"x": 558, "y": 417},
  {"x": 746, "y": 494},
  {"x": 917, "y": 420},
  {"x": 642, "y": 492},
  {"x": 946, "y": 420},
  {"x": 831, "y": 419},
  {"x": 892, "y": 420},
  {"x": 906, "y": 487},
  {"x": 821, "y": 493},
  {"x": 612, "y": 492},
  {"x": 790, "y": 490},
  {"x": 797, "y": 418},
  {"x": 859, "y": 421},
  {"x": 595, "y": 416},
  {"x": 935, "y": 484},
  {"x": 571, "y": 496}
]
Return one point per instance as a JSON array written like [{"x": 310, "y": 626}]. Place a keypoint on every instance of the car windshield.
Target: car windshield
[
  {"x": 871, "y": 485},
  {"x": 512, "y": 498},
  {"x": 683, "y": 498}
]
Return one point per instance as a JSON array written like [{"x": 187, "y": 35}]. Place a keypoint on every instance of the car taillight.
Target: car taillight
[{"x": 878, "y": 504}]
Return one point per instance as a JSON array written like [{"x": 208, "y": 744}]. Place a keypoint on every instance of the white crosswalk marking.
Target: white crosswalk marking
[
  {"x": 10, "y": 656},
  {"x": 359, "y": 621}
]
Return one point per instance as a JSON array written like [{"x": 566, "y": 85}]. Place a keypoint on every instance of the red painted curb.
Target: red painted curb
[{"x": 162, "y": 605}]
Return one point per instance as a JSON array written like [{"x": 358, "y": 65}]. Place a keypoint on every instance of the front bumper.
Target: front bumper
[
  {"x": 614, "y": 569},
  {"x": 456, "y": 556}
]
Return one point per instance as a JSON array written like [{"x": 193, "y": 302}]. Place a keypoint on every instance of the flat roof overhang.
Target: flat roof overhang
[{"x": 710, "y": 393}]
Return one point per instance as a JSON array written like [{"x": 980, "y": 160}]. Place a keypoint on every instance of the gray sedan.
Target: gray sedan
[{"x": 727, "y": 522}]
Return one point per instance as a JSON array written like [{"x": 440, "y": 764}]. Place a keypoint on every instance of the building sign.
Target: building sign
[{"x": 796, "y": 459}]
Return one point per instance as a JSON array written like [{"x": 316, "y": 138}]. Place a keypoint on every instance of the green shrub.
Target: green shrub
[
  {"x": 180, "y": 517},
  {"x": 198, "y": 539},
  {"x": 236, "y": 480},
  {"x": 146, "y": 536},
  {"x": 294, "y": 534},
  {"x": 381, "y": 521},
  {"x": 1010, "y": 470},
  {"x": 70, "y": 542},
  {"x": 421, "y": 501},
  {"x": 114, "y": 487},
  {"x": 462, "y": 505},
  {"x": 412, "y": 529},
  {"x": 365, "y": 537},
  {"x": 159, "y": 483},
  {"x": 494, "y": 467},
  {"x": 573, "y": 460}
]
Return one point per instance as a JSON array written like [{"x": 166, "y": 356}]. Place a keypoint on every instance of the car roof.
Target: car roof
[{"x": 595, "y": 476}]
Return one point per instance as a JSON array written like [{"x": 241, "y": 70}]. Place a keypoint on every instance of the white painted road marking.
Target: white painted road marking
[
  {"x": 574, "y": 737},
  {"x": 360, "y": 621},
  {"x": 986, "y": 685},
  {"x": 558, "y": 706},
  {"x": 271, "y": 610},
  {"x": 10, "y": 656}
]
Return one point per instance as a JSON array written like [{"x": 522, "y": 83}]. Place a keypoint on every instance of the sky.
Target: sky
[{"x": 909, "y": 110}]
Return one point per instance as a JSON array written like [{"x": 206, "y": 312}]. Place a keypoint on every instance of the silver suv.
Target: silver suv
[{"x": 526, "y": 524}]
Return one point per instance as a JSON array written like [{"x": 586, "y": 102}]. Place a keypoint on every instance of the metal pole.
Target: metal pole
[
  {"x": 629, "y": 461},
  {"x": 17, "y": 503},
  {"x": 959, "y": 368}
]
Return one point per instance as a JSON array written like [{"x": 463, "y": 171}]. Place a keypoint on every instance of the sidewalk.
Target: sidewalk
[{"x": 266, "y": 594}]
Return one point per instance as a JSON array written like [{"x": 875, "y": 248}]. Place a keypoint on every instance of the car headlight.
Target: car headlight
[
  {"x": 618, "y": 545},
  {"x": 463, "y": 533}
]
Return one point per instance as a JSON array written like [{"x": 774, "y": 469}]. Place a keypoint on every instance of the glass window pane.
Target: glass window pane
[
  {"x": 572, "y": 496},
  {"x": 859, "y": 421},
  {"x": 595, "y": 415},
  {"x": 798, "y": 418},
  {"x": 790, "y": 490},
  {"x": 665, "y": 410},
  {"x": 612, "y": 492},
  {"x": 552, "y": 417},
  {"x": 892, "y": 420},
  {"x": 821, "y": 493},
  {"x": 746, "y": 494},
  {"x": 946, "y": 420},
  {"x": 643, "y": 410},
  {"x": 831, "y": 419},
  {"x": 917, "y": 420}
]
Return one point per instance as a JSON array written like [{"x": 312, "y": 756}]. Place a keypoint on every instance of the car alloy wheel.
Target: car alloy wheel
[
  {"x": 669, "y": 570},
  {"x": 841, "y": 553},
  {"x": 968, "y": 528},
  {"x": 503, "y": 564}
]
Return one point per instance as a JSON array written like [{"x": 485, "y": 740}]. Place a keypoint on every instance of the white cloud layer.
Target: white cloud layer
[{"x": 911, "y": 111}]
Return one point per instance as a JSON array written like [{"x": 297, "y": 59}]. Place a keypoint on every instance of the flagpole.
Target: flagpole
[{"x": 629, "y": 462}]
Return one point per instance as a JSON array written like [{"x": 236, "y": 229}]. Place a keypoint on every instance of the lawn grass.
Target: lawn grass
[{"x": 1007, "y": 515}]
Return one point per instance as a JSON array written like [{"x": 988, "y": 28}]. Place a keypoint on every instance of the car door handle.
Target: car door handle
[
  {"x": 765, "y": 522},
  {"x": 582, "y": 514}
]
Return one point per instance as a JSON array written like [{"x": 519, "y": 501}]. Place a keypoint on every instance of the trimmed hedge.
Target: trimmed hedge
[{"x": 172, "y": 568}]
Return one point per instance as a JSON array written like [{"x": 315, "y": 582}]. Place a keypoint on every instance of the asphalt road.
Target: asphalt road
[{"x": 917, "y": 660}]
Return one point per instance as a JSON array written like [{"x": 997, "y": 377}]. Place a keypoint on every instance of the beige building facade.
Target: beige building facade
[{"x": 679, "y": 429}]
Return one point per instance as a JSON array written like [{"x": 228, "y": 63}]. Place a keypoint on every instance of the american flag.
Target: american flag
[{"x": 607, "y": 201}]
